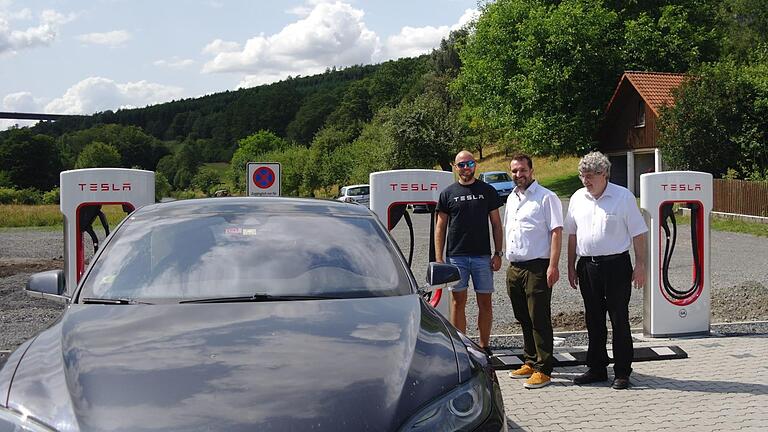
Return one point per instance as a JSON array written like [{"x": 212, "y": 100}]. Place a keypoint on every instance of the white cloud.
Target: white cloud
[
  {"x": 331, "y": 34},
  {"x": 18, "y": 102},
  {"x": 99, "y": 94},
  {"x": 174, "y": 63},
  {"x": 44, "y": 34},
  {"x": 415, "y": 41},
  {"x": 220, "y": 46},
  {"x": 111, "y": 38}
]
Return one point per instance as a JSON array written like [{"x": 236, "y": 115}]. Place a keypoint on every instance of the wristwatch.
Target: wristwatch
[{"x": 499, "y": 253}]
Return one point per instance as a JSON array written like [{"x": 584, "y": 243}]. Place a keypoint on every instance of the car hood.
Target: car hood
[
  {"x": 353, "y": 364},
  {"x": 503, "y": 185}
]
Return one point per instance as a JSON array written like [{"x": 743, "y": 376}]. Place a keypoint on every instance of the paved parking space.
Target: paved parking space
[{"x": 722, "y": 385}]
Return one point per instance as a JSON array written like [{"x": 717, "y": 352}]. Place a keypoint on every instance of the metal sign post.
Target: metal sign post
[{"x": 263, "y": 179}]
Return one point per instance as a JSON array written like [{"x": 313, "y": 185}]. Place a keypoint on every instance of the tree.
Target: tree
[
  {"x": 98, "y": 155},
  {"x": 207, "y": 181},
  {"x": 425, "y": 133},
  {"x": 720, "y": 122},
  {"x": 311, "y": 116},
  {"x": 250, "y": 149},
  {"x": 542, "y": 72},
  {"x": 29, "y": 159},
  {"x": 673, "y": 42},
  {"x": 293, "y": 162},
  {"x": 327, "y": 165},
  {"x": 373, "y": 150}
]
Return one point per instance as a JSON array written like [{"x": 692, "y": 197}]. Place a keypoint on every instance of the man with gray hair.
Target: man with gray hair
[{"x": 602, "y": 221}]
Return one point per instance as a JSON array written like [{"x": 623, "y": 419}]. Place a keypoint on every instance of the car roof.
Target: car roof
[
  {"x": 263, "y": 205},
  {"x": 495, "y": 172},
  {"x": 357, "y": 185}
]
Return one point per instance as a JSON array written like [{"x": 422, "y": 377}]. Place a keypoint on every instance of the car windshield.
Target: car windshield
[
  {"x": 357, "y": 191},
  {"x": 242, "y": 254},
  {"x": 497, "y": 178}
]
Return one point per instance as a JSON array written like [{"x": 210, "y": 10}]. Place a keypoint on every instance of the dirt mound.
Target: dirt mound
[
  {"x": 12, "y": 266},
  {"x": 747, "y": 301}
]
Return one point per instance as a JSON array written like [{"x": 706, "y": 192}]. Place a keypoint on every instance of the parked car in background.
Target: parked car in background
[
  {"x": 263, "y": 314},
  {"x": 360, "y": 194},
  {"x": 500, "y": 181}
]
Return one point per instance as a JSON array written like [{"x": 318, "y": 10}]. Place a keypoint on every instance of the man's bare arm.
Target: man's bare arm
[{"x": 440, "y": 227}]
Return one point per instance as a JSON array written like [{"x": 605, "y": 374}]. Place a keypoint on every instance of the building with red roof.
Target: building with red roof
[{"x": 629, "y": 132}]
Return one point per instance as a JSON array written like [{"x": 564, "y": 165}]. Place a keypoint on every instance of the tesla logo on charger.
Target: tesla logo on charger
[
  {"x": 104, "y": 187},
  {"x": 413, "y": 187},
  {"x": 681, "y": 187}
]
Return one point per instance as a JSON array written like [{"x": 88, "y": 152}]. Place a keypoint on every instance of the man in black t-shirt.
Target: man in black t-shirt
[{"x": 463, "y": 210}]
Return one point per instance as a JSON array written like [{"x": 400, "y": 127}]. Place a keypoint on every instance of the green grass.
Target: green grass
[
  {"x": 557, "y": 174},
  {"x": 18, "y": 215},
  {"x": 563, "y": 186}
]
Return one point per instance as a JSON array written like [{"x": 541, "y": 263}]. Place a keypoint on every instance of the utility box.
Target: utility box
[
  {"x": 391, "y": 193},
  {"x": 674, "y": 307},
  {"x": 82, "y": 193}
]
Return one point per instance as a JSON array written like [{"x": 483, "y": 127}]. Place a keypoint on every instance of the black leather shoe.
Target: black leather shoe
[
  {"x": 589, "y": 377},
  {"x": 488, "y": 351},
  {"x": 620, "y": 383}
]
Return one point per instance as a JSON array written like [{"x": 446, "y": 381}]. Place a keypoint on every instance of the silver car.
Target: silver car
[{"x": 360, "y": 194}]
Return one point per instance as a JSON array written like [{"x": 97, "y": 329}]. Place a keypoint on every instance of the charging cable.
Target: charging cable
[{"x": 668, "y": 213}]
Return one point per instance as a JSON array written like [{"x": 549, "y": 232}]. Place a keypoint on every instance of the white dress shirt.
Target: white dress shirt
[
  {"x": 530, "y": 217},
  {"x": 604, "y": 226}
]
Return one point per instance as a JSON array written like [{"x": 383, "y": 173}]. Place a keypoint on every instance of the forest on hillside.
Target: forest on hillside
[{"x": 528, "y": 75}]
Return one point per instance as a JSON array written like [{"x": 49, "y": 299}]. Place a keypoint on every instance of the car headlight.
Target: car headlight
[
  {"x": 462, "y": 409},
  {"x": 15, "y": 421}
]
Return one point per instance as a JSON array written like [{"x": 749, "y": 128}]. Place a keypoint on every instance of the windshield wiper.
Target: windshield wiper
[
  {"x": 116, "y": 301},
  {"x": 258, "y": 298}
]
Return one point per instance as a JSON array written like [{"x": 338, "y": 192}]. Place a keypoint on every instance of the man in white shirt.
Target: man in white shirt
[
  {"x": 602, "y": 221},
  {"x": 533, "y": 231}
]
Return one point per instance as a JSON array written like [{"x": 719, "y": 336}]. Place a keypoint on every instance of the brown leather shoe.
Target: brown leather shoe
[
  {"x": 590, "y": 376},
  {"x": 620, "y": 383}
]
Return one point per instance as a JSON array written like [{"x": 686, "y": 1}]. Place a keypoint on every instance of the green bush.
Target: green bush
[
  {"x": 8, "y": 195},
  {"x": 51, "y": 197},
  {"x": 27, "y": 196}
]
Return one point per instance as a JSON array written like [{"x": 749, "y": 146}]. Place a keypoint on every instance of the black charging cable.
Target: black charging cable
[{"x": 668, "y": 213}]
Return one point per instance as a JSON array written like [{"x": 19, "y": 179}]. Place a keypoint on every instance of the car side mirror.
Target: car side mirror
[
  {"x": 440, "y": 273},
  {"x": 48, "y": 285}
]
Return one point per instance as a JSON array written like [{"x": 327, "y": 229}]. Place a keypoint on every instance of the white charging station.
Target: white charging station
[
  {"x": 82, "y": 193},
  {"x": 671, "y": 310},
  {"x": 392, "y": 191}
]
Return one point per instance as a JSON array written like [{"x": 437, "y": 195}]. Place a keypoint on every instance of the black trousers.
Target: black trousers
[{"x": 606, "y": 286}]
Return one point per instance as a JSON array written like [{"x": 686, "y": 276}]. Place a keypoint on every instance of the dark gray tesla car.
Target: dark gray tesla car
[{"x": 249, "y": 314}]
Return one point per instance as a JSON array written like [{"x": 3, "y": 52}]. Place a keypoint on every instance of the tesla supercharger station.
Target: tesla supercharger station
[
  {"x": 392, "y": 191},
  {"x": 82, "y": 193},
  {"x": 675, "y": 308}
]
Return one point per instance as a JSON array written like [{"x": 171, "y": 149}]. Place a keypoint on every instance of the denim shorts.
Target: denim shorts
[{"x": 479, "y": 267}]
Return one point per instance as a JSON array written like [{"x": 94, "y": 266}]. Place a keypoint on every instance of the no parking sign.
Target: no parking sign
[{"x": 263, "y": 179}]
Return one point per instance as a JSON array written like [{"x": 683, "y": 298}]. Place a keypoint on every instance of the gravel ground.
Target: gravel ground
[{"x": 739, "y": 286}]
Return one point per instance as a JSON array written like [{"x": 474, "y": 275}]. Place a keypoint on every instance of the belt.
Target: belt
[
  {"x": 604, "y": 258},
  {"x": 533, "y": 261}
]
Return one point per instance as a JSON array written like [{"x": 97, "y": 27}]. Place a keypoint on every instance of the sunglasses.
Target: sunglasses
[{"x": 467, "y": 164}]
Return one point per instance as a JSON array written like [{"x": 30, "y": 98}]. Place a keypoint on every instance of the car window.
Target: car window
[
  {"x": 496, "y": 178},
  {"x": 357, "y": 191},
  {"x": 242, "y": 254}
]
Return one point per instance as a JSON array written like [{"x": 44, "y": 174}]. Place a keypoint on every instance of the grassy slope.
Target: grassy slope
[{"x": 557, "y": 174}]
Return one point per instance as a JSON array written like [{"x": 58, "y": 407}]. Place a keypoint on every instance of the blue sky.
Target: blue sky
[{"x": 79, "y": 57}]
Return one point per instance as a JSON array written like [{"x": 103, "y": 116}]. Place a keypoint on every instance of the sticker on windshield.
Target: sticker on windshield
[{"x": 233, "y": 231}]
